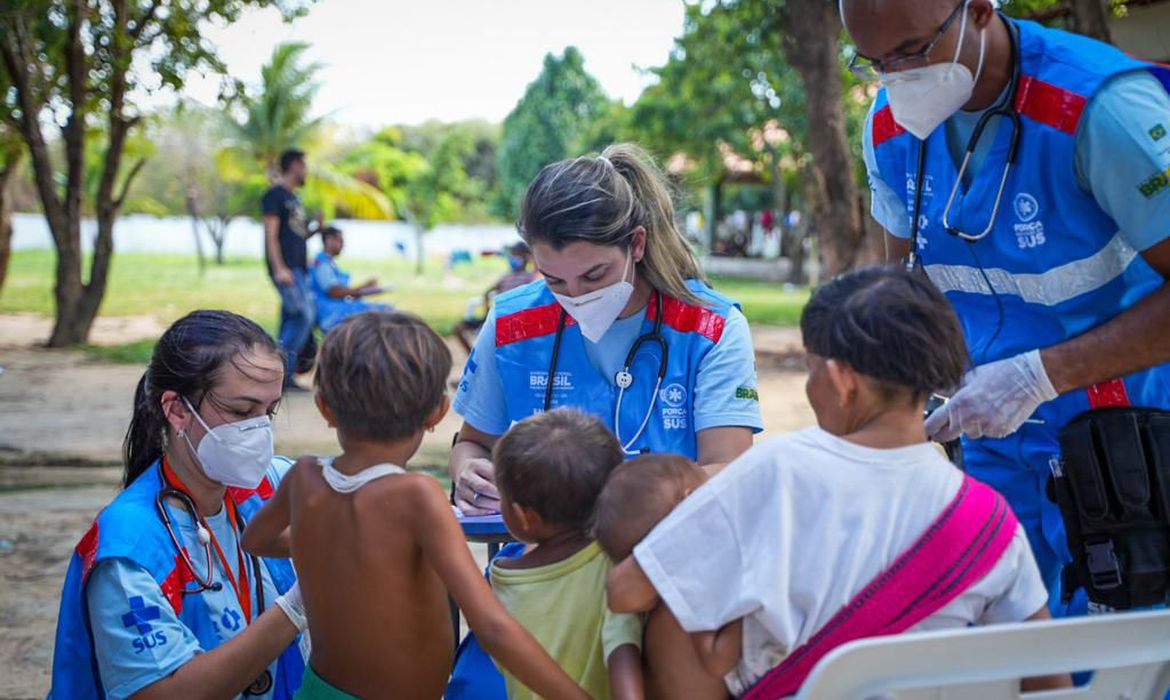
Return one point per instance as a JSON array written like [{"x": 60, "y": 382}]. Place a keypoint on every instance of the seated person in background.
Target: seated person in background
[
  {"x": 549, "y": 470},
  {"x": 377, "y": 549},
  {"x": 518, "y": 275},
  {"x": 856, "y": 528},
  {"x": 336, "y": 300}
]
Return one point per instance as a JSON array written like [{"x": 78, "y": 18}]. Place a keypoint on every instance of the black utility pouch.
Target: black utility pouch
[{"x": 1113, "y": 490}]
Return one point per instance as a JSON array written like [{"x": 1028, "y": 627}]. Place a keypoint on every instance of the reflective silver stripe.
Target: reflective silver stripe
[{"x": 1058, "y": 285}]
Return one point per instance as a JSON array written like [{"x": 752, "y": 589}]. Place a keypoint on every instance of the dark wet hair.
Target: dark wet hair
[
  {"x": 602, "y": 200},
  {"x": 556, "y": 463},
  {"x": 890, "y": 325},
  {"x": 382, "y": 374},
  {"x": 289, "y": 157},
  {"x": 187, "y": 360},
  {"x": 330, "y": 232}
]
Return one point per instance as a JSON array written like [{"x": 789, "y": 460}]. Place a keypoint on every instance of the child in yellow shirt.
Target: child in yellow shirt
[{"x": 550, "y": 469}]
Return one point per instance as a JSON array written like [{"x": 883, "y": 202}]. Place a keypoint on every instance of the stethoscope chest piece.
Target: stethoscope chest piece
[{"x": 623, "y": 379}]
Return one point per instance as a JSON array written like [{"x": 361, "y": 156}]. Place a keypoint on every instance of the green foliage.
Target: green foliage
[
  {"x": 724, "y": 81},
  {"x": 1058, "y": 10},
  {"x": 727, "y": 84},
  {"x": 278, "y": 115},
  {"x": 551, "y": 122}
]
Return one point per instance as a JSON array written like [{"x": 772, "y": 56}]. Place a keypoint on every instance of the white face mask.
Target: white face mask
[
  {"x": 234, "y": 454},
  {"x": 923, "y": 98},
  {"x": 596, "y": 311}
]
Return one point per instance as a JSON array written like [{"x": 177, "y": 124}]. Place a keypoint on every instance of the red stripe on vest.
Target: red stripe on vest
[
  {"x": 1048, "y": 104},
  {"x": 529, "y": 323},
  {"x": 87, "y": 550},
  {"x": 1110, "y": 394},
  {"x": 173, "y": 585},
  {"x": 689, "y": 318},
  {"x": 884, "y": 126},
  {"x": 264, "y": 491}
]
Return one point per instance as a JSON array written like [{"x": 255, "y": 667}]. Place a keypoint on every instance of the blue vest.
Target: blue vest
[
  {"x": 526, "y": 330},
  {"x": 1056, "y": 261},
  {"x": 130, "y": 528}
]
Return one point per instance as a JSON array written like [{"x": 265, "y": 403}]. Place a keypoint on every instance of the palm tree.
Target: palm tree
[{"x": 279, "y": 118}]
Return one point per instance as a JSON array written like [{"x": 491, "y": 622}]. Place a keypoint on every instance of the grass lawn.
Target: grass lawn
[{"x": 168, "y": 286}]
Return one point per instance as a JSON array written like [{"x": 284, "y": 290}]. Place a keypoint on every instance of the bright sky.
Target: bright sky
[{"x": 406, "y": 61}]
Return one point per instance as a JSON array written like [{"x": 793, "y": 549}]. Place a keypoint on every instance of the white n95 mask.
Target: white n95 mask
[
  {"x": 596, "y": 311},
  {"x": 923, "y": 98},
  {"x": 234, "y": 454}
]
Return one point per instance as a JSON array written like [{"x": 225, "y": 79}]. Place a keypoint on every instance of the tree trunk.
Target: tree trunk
[
  {"x": 193, "y": 212},
  {"x": 219, "y": 236},
  {"x": 7, "y": 175},
  {"x": 1091, "y": 18},
  {"x": 810, "y": 31}
]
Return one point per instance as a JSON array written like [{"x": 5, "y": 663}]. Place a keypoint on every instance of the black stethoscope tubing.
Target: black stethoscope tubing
[
  {"x": 205, "y": 583},
  {"x": 1006, "y": 108}
]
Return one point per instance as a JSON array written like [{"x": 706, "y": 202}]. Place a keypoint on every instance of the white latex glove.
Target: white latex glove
[
  {"x": 994, "y": 400},
  {"x": 293, "y": 606}
]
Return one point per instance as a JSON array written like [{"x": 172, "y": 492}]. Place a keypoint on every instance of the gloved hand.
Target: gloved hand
[
  {"x": 994, "y": 400},
  {"x": 293, "y": 606}
]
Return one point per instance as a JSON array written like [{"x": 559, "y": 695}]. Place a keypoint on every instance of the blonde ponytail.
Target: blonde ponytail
[
  {"x": 669, "y": 261},
  {"x": 603, "y": 200}
]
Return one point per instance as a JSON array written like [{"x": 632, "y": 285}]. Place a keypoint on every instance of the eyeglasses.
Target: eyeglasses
[{"x": 871, "y": 70}]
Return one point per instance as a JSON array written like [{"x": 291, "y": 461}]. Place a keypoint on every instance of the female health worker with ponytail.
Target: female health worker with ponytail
[
  {"x": 160, "y": 601},
  {"x": 622, "y": 326}
]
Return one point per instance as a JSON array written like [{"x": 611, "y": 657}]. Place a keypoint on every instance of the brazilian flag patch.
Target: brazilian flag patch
[
  {"x": 1158, "y": 132},
  {"x": 748, "y": 393}
]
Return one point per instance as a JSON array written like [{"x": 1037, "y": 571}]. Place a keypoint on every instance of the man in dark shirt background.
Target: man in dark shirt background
[{"x": 286, "y": 233}]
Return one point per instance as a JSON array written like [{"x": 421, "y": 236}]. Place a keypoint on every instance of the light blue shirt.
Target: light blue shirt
[
  {"x": 731, "y": 364},
  {"x": 326, "y": 274},
  {"x": 138, "y": 638},
  {"x": 1122, "y": 143}
]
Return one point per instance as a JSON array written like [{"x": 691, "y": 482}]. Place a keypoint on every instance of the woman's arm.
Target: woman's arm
[
  {"x": 628, "y": 590},
  {"x": 719, "y": 446},
  {"x": 625, "y": 673},
  {"x": 227, "y": 670},
  {"x": 506, "y": 640},
  {"x": 472, "y": 472},
  {"x": 267, "y": 532},
  {"x": 720, "y": 651}
]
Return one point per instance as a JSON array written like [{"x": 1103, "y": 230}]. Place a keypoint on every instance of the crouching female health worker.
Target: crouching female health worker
[
  {"x": 160, "y": 601},
  {"x": 622, "y": 326}
]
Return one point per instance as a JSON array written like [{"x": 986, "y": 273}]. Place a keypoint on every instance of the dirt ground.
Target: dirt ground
[{"x": 62, "y": 418}]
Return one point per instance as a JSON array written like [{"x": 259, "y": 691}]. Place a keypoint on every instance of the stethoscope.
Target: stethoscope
[
  {"x": 1006, "y": 108},
  {"x": 207, "y": 582},
  {"x": 624, "y": 379},
  {"x": 263, "y": 682}
]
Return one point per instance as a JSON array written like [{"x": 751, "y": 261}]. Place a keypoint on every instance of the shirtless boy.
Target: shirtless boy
[{"x": 377, "y": 549}]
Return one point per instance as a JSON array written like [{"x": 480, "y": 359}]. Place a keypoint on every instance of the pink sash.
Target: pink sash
[{"x": 955, "y": 552}]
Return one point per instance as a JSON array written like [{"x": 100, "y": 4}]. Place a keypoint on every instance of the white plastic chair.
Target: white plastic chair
[{"x": 1130, "y": 653}]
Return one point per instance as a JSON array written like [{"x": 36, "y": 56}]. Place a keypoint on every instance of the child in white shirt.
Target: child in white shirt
[{"x": 790, "y": 533}]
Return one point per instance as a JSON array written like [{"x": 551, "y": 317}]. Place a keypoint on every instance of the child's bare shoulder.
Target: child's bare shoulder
[
  {"x": 410, "y": 484},
  {"x": 410, "y": 491},
  {"x": 304, "y": 466}
]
